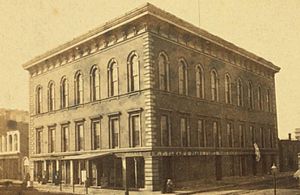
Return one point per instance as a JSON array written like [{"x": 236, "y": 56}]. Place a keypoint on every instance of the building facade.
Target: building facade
[
  {"x": 147, "y": 97},
  {"x": 288, "y": 154},
  {"x": 13, "y": 144}
]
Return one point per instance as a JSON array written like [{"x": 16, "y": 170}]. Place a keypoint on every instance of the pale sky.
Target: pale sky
[{"x": 267, "y": 28}]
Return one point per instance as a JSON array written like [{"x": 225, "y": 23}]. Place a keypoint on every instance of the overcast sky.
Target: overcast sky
[{"x": 267, "y": 28}]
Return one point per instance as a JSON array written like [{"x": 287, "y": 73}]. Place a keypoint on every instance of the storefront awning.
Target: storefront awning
[{"x": 86, "y": 156}]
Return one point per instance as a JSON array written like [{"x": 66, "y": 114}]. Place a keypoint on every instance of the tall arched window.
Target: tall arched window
[
  {"x": 250, "y": 95},
  {"x": 227, "y": 89},
  {"x": 133, "y": 72},
  {"x": 163, "y": 68},
  {"x": 182, "y": 72},
  {"x": 239, "y": 92},
  {"x": 78, "y": 88},
  {"x": 113, "y": 78},
  {"x": 39, "y": 100},
  {"x": 15, "y": 142},
  {"x": 199, "y": 82},
  {"x": 10, "y": 146},
  {"x": 51, "y": 97},
  {"x": 259, "y": 98},
  {"x": 64, "y": 93},
  {"x": 95, "y": 84},
  {"x": 214, "y": 85}
]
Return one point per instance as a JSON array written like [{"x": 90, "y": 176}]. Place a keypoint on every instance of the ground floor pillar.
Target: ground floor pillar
[{"x": 152, "y": 178}]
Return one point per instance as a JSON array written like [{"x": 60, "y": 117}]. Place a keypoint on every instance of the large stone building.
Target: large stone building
[
  {"x": 13, "y": 144},
  {"x": 147, "y": 97}
]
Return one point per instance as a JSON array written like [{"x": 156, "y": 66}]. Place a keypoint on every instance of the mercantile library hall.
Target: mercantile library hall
[{"x": 148, "y": 97}]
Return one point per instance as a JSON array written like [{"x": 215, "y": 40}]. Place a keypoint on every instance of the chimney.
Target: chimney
[{"x": 290, "y": 136}]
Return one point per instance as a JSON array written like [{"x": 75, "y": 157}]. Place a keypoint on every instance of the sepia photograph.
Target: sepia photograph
[{"x": 142, "y": 97}]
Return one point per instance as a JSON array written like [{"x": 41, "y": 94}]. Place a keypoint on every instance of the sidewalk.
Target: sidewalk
[{"x": 183, "y": 188}]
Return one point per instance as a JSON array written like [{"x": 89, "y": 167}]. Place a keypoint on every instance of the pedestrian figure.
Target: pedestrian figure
[{"x": 169, "y": 186}]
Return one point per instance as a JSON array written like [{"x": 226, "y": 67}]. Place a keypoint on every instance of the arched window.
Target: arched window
[
  {"x": 250, "y": 95},
  {"x": 10, "y": 143},
  {"x": 64, "y": 93},
  {"x": 268, "y": 98},
  {"x": 182, "y": 72},
  {"x": 51, "y": 97},
  {"x": 95, "y": 84},
  {"x": 214, "y": 85},
  {"x": 259, "y": 98},
  {"x": 163, "y": 68},
  {"x": 227, "y": 89},
  {"x": 113, "y": 78},
  {"x": 239, "y": 93},
  {"x": 133, "y": 72},
  {"x": 39, "y": 100},
  {"x": 199, "y": 82},
  {"x": 78, "y": 88}
]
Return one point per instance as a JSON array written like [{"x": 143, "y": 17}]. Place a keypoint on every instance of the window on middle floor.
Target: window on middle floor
[
  {"x": 95, "y": 84},
  {"x": 96, "y": 134},
  {"x": 51, "y": 97},
  {"x": 230, "y": 140},
  {"x": 79, "y": 136},
  {"x": 163, "y": 68},
  {"x": 199, "y": 82},
  {"x": 227, "y": 89},
  {"x": 135, "y": 130},
  {"x": 51, "y": 139},
  {"x": 113, "y": 78},
  {"x": 239, "y": 93},
  {"x": 182, "y": 76},
  {"x": 165, "y": 130},
  {"x": 185, "y": 139},
  {"x": 65, "y": 138},
  {"x": 201, "y": 133},
  {"x": 39, "y": 96},
  {"x": 114, "y": 127},
  {"x": 214, "y": 85},
  {"x": 64, "y": 93},
  {"x": 39, "y": 140}
]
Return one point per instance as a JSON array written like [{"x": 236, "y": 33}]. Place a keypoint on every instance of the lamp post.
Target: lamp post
[{"x": 274, "y": 171}]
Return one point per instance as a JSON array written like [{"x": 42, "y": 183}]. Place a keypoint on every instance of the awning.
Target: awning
[{"x": 86, "y": 156}]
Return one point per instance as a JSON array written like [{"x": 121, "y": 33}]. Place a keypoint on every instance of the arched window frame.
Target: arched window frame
[
  {"x": 199, "y": 81},
  {"x": 269, "y": 100},
  {"x": 39, "y": 99},
  {"x": 163, "y": 71},
  {"x": 228, "y": 93},
  {"x": 250, "y": 95},
  {"x": 214, "y": 85},
  {"x": 182, "y": 82},
  {"x": 78, "y": 88},
  {"x": 240, "y": 99},
  {"x": 95, "y": 86},
  {"x": 133, "y": 73},
  {"x": 64, "y": 93},
  {"x": 113, "y": 83},
  {"x": 51, "y": 96}
]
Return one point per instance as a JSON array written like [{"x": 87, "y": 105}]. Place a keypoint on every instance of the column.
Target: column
[
  {"x": 152, "y": 179},
  {"x": 71, "y": 172},
  {"x": 124, "y": 173}
]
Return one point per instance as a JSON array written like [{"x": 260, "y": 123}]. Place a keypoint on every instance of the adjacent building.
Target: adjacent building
[
  {"x": 147, "y": 97},
  {"x": 297, "y": 133},
  {"x": 288, "y": 154},
  {"x": 13, "y": 144}
]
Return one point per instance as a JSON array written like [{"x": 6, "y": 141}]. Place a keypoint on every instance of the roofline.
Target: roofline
[{"x": 160, "y": 14}]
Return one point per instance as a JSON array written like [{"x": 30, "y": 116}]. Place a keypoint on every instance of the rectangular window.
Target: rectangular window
[
  {"x": 39, "y": 141},
  {"x": 135, "y": 130},
  {"x": 65, "y": 138},
  {"x": 271, "y": 138},
  {"x": 79, "y": 137},
  {"x": 96, "y": 134},
  {"x": 201, "y": 134},
  {"x": 51, "y": 139},
  {"x": 184, "y": 132},
  {"x": 242, "y": 136},
  {"x": 230, "y": 135},
  {"x": 217, "y": 135},
  {"x": 164, "y": 128},
  {"x": 262, "y": 137},
  {"x": 252, "y": 134},
  {"x": 114, "y": 132}
]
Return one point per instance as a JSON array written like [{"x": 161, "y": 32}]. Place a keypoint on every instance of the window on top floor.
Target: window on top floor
[
  {"x": 227, "y": 89},
  {"x": 268, "y": 98},
  {"x": 95, "y": 84},
  {"x": 182, "y": 76},
  {"x": 214, "y": 85},
  {"x": 163, "y": 69},
  {"x": 113, "y": 77},
  {"x": 199, "y": 82},
  {"x": 259, "y": 98},
  {"x": 64, "y": 93},
  {"x": 78, "y": 88},
  {"x": 51, "y": 97},
  {"x": 239, "y": 93},
  {"x": 39, "y": 100},
  {"x": 133, "y": 72},
  {"x": 16, "y": 142}
]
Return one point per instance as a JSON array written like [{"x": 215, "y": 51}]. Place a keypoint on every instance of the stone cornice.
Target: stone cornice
[{"x": 133, "y": 23}]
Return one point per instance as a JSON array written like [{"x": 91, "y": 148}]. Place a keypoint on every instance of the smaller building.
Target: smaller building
[
  {"x": 13, "y": 144},
  {"x": 288, "y": 154}
]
